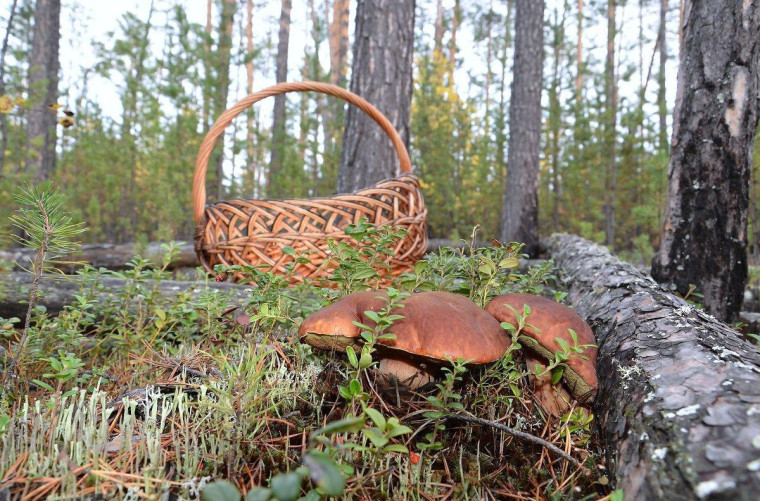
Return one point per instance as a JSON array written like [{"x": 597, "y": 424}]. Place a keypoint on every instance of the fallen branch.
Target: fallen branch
[{"x": 519, "y": 434}]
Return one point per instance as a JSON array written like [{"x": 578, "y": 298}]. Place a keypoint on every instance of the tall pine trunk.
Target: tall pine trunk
[
  {"x": 662, "y": 106},
  {"x": 704, "y": 237},
  {"x": 222, "y": 87},
  {"x": 43, "y": 89},
  {"x": 555, "y": 115},
  {"x": 519, "y": 220},
  {"x": 253, "y": 167},
  {"x": 382, "y": 74},
  {"x": 338, "y": 40},
  {"x": 610, "y": 126},
  {"x": 4, "y": 116},
  {"x": 278, "y": 121}
]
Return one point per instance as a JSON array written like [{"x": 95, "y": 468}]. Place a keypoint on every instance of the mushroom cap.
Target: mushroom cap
[
  {"x": 552, "y": 320},
  {"x": 436, "y": 325}
]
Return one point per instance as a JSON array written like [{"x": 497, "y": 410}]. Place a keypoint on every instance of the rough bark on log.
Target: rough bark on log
[
  {"x": 56, "y": 292},
  {"x": 678, "y": 409}
]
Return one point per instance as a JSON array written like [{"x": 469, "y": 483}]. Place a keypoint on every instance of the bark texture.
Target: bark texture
[
  {"x": 519, "y": 220},
  {"x": 382, "y": 74},
  {"x": 678, "y": 408},
  {"x": 56, "y": 293},
  {"x": 278, "y": 120},
  {"x": 704, "y": 237},
  {"x": 43, "y": 88}
]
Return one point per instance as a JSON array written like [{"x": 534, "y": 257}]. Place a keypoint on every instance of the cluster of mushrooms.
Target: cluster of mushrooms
[{"x": 441, "y": 326}]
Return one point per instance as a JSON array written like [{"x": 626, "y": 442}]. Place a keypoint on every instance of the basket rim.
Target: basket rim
[
  {"x": 216, "y": 130},
  {"x": 412, "y": 177}
]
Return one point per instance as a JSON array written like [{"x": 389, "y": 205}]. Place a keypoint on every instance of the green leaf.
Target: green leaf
[
  {"x": 345, "y": 393},
  {"x": 433, "y": 414},
  {"x": 376, "y": 418},
  {"x": 43, "y": 384},
  {"x": 375, "y": 436},
  {"x": 364, "y": 274},
  {"x": 346, "y": 425},
  {"x": 396, "y": 448},
  {"x": 221, "y": 490},
  {"x": 355, "y": 386},
  {"x": 562, "y": 344},
  {"x": 161, "y": 314},
  {"x": 352, "y": 357},
  {"x": 509, "y": 262},
  {"x": 325, "y": 473},
  {"x": 365, "y": 361},
  {"x": 372, "y": 315},
  {"x": 312, "y": 495},
  {"x": 573, "y": 335},
  {"x": 557, "y": 374},
  {"x": 398, "y": 430},
  {"x": 258, "y": 494},
  {"x": 286, "y": 486}
]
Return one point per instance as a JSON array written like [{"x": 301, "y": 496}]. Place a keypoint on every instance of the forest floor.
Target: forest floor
[{"x": 141, "y": 395}]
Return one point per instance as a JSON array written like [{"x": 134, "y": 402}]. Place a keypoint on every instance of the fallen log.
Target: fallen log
[
  {"x": 678, "y": 409},
  {"x": 111, "y": 256},
  {"x": 115, "y": 256},
  {"x": 55, "y": 292}
]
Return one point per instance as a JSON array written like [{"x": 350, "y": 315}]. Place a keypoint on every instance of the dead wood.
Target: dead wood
[
  {"x": 115, "y": 256},
  {"x": 55, "y": 292},
  {"x": 678, "y": 409}
]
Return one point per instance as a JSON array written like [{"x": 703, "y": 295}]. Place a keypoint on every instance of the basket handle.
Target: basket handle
[{"x": 204, "y": 153}]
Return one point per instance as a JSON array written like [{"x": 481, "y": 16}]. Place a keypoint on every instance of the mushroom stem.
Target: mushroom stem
[{"x": 408, "y": 374}]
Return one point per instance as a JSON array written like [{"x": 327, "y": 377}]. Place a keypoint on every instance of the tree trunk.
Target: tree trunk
[
  {"x": 338, "y": 41},
  {"x": 133, "y": 85},
  {"x": 250, "y": 113},
  {"x": 453, "y": 42},
  {"x": 438, "y": 32},
  {"x": 208, "y": 67},
  {"x": 555, "y": 115},
  {"x": 704, "y": 237},
  {"x": 661, "y": 103},
  {"x": 43, "y": 89},
  {"x": 382, "y": 74},
  {"x": 676, "y": 410},
  {"x": 55, "y": 293},
  {"x": 222, "y": 87},
  {"x": 519, "y": 221},
  {"x": 610, "y": 126},
  {"x": 278, "y": 122},
  {"x": 4, "y": 116},
  {"x": 579, "y": 55}
]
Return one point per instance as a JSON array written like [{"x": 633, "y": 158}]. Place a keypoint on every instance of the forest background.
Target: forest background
[{"x": 143, "y": 96}]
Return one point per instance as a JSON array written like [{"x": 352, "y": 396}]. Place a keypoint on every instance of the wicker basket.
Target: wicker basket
[{"x": 254, "y": 232}]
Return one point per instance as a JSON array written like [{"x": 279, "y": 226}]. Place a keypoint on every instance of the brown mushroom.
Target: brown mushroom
[
  {"x": 437, "y": 326},
  {"x": 547, "y": 321}
]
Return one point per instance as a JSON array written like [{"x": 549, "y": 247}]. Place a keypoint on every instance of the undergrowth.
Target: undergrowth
[{"x": 137, "y": 395}]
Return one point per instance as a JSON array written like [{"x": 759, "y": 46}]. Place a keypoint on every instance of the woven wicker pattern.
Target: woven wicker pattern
[{"x": 254, "y": 232}]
